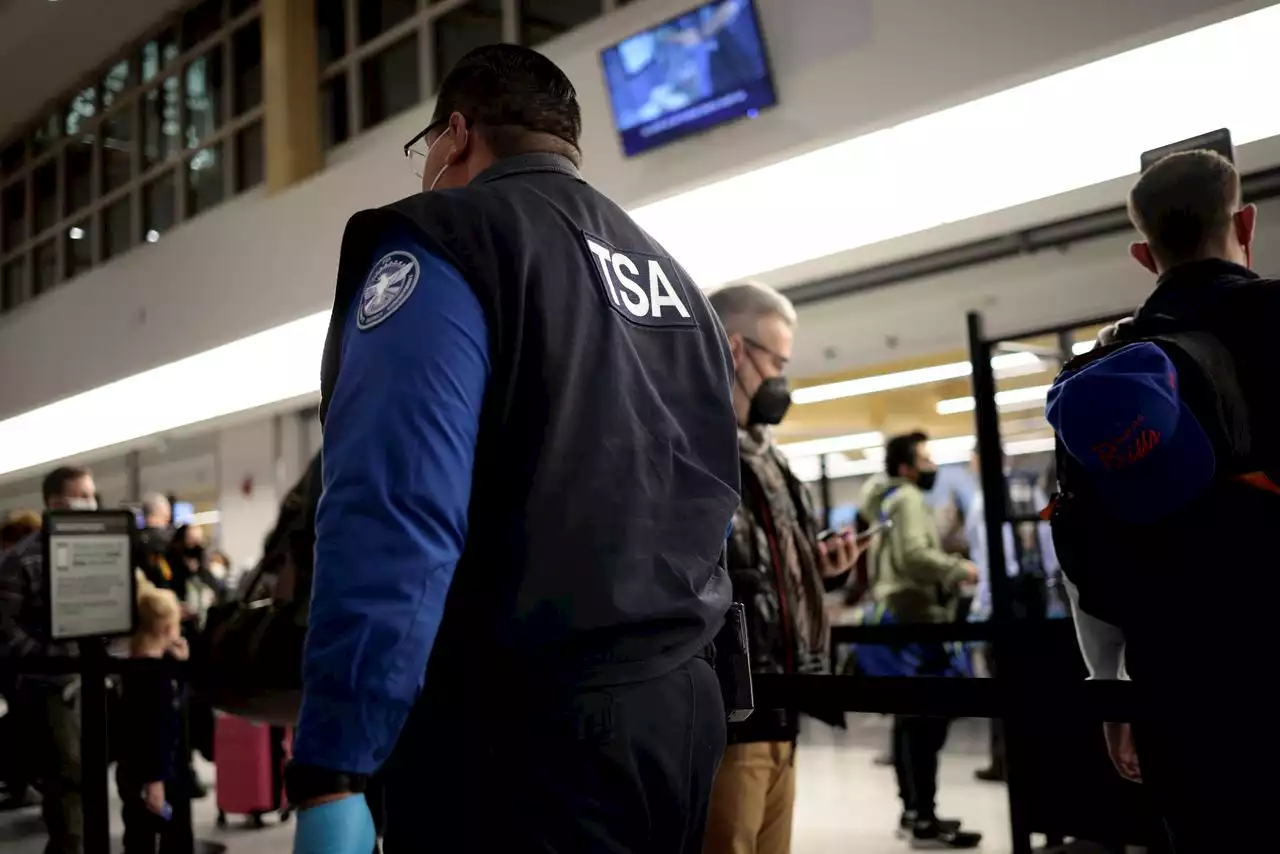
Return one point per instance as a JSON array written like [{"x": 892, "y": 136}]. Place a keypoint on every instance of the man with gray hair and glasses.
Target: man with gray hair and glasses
[{"x": 779, "y": 560}]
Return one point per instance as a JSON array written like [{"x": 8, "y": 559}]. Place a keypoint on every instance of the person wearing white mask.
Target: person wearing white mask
[{"x": 52, "y": 701}]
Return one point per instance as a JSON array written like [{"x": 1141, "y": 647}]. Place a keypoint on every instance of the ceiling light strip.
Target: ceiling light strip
[{"x": 853, "y": 194}]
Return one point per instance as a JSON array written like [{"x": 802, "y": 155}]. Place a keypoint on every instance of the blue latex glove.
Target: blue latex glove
[{"x": 338, "y": 827}]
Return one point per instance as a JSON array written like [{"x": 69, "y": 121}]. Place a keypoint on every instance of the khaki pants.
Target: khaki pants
[{"x": 753, "y": 800}]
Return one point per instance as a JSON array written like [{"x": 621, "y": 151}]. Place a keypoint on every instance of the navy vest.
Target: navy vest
[{"x": 606, "y": 472}]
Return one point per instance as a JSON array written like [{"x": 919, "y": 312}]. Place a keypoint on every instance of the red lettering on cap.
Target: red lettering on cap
[{"x": 1132, "y": 445}]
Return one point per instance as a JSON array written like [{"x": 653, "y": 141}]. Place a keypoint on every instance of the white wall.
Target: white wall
[
  {"x": 843, "y": 67},
  {"x": 243, "y": 470}
]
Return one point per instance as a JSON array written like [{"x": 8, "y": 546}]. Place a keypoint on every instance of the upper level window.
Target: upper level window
[
  {"x": 331, "y": 30},
  {"x": 118, "y": 79},
  {"x": 543, "y": 20},
  {"x": 160, "y": 128},
  {"x": 375, "y": 17},
  {"x": 158, "y": 53},
  {"x": 377, "y": 70},
  {"x": 461, "y": 30},
  {"x": 246, "y": 49},
  {"x": 204, "y": 86},
  {"x": 120, "y": 162},
  {"x": 390, "y": 81},
  {"x": 12, "y": 156},
  {"x": 201, "y": 22},
  {"x": 45, "y": 134}
]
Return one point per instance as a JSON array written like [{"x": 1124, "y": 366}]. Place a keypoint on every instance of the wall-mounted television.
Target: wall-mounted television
[{"x": 688, "y": 74}]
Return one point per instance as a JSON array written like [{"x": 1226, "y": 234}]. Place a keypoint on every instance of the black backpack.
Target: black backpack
[
  {"x": 253, "y": 645},
  {"x": 1140, "y": 576}
]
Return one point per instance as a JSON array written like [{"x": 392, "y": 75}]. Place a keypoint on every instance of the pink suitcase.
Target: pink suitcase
[{"x": 250, "y": 760}]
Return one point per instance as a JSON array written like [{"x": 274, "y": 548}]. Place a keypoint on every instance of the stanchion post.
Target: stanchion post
[
  {"x": 94, "y": 760},
  {"x": 995, "y": 508},
  {"x": 824, "y": 490}
]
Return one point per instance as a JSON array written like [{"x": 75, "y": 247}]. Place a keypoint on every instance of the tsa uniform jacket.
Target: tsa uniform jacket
[{"x": 530, "y": 458}]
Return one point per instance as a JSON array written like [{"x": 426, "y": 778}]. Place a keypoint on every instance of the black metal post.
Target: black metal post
[
  {"x": 93, "y": 750},
  {"x": 995, "y": 507},
  {"x": 824, "y": 491}
]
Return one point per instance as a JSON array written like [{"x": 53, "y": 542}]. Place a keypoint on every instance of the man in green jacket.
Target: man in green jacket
[
  {"x": 915, "y": 581},
  {"x": 911, "y": 575}
]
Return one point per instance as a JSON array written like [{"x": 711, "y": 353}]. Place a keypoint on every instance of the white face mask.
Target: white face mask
[
  {"x": 82, "y": 504},
  {"x": 427, "y": 156}
]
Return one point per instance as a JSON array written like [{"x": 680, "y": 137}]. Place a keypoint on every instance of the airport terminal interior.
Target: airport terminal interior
[{"x": 927, "y": 183}]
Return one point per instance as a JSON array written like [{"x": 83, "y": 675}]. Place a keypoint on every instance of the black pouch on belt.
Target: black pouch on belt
[{"x": 733, "y": 665}]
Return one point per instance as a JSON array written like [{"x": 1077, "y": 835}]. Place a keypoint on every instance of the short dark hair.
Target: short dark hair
[
  {"x": 1183, "y": 205},
  {"x": 901, "y": 451},
  {"x": 520, "y": 101},
  {"x": 56, "y": 481}
]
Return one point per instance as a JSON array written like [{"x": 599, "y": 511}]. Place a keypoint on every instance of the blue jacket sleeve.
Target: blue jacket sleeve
[{"x": 399, "y": 445}]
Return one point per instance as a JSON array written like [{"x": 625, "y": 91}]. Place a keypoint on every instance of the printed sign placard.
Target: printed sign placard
[{"x": 89, "y": 574}]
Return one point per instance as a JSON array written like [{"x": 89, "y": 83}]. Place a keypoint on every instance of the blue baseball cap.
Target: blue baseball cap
[{"x": 1123, "y": 419}]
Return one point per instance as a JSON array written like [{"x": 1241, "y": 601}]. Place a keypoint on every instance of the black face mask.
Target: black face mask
[
  {"x": 770, "y": 403},
  {"x": 194, "y": 552},
  {"x": 927, "y": 480},
  {"x": 772, "y": 399}
]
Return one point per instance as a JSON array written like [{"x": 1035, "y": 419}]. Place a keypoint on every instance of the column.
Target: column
[
  {"x": 291, "y": 92},
  {"x": 249, "y": 494}
]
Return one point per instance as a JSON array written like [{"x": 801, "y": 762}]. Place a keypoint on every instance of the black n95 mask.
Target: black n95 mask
[{"x": 770, "y": 403}]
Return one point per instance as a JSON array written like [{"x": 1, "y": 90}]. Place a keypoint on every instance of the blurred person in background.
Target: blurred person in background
[
  {"x": 185, "y": 557},
  {"x": 224, "y": 573},
  {"x": 18, "y": 525},
  {"x": 779, "y": 563},
  {"x": 150, "y": 774},
  {"x": 16, "y": 763},
  {"x": 154, "y": 540},
  {"x": 916, "y": 581},
  {"x": 52, "y": 703}
]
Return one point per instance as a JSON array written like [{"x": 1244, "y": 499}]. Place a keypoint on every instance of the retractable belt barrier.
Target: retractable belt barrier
[{"x": 93, "y": 670}]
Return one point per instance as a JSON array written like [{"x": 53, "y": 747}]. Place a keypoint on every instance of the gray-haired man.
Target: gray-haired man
[{"x": 778, "y": 567}]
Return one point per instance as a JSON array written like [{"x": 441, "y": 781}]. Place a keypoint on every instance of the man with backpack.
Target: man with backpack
[{"x": 1166, "y": 510}]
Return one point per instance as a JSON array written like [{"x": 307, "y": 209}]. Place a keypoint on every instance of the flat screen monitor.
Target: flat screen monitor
[
  {"x": 184, "y": 512},
  {"x": 689, "y": 74}
]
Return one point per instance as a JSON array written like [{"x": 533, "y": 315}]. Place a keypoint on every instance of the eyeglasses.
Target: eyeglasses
[
  {"x": 779, "y": 361},
  {"x": 416, "y": 149}
]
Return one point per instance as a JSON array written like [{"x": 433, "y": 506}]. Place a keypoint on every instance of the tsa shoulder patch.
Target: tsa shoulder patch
[
  {"x": 390, "y": 284},
  {"x": 644, "y": 288}
]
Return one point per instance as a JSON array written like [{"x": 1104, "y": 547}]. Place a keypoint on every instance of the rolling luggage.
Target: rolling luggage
[{"x": 250, "y": 759}]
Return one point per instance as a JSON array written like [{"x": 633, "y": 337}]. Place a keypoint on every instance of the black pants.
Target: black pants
[
  {"x": 917, "y": 742},
  {"x": 1212, "y": 777},
  {"x": 54, "y": 734},
  {"x": 144, "y": 831},
  {"x": 619, "y": 770}
]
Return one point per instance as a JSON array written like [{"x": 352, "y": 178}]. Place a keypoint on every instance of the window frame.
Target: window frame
[
  {"x": 423, "y": 24},
  {"x": 128, "y": 104}
]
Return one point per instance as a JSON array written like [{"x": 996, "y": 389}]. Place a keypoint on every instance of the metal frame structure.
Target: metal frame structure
[
  {"x": 18, "y": 259},
  {"x": 1255, "y": 187},
  {"x": 346, "y": 73},
  {"x": 1018, "y": 693}
]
